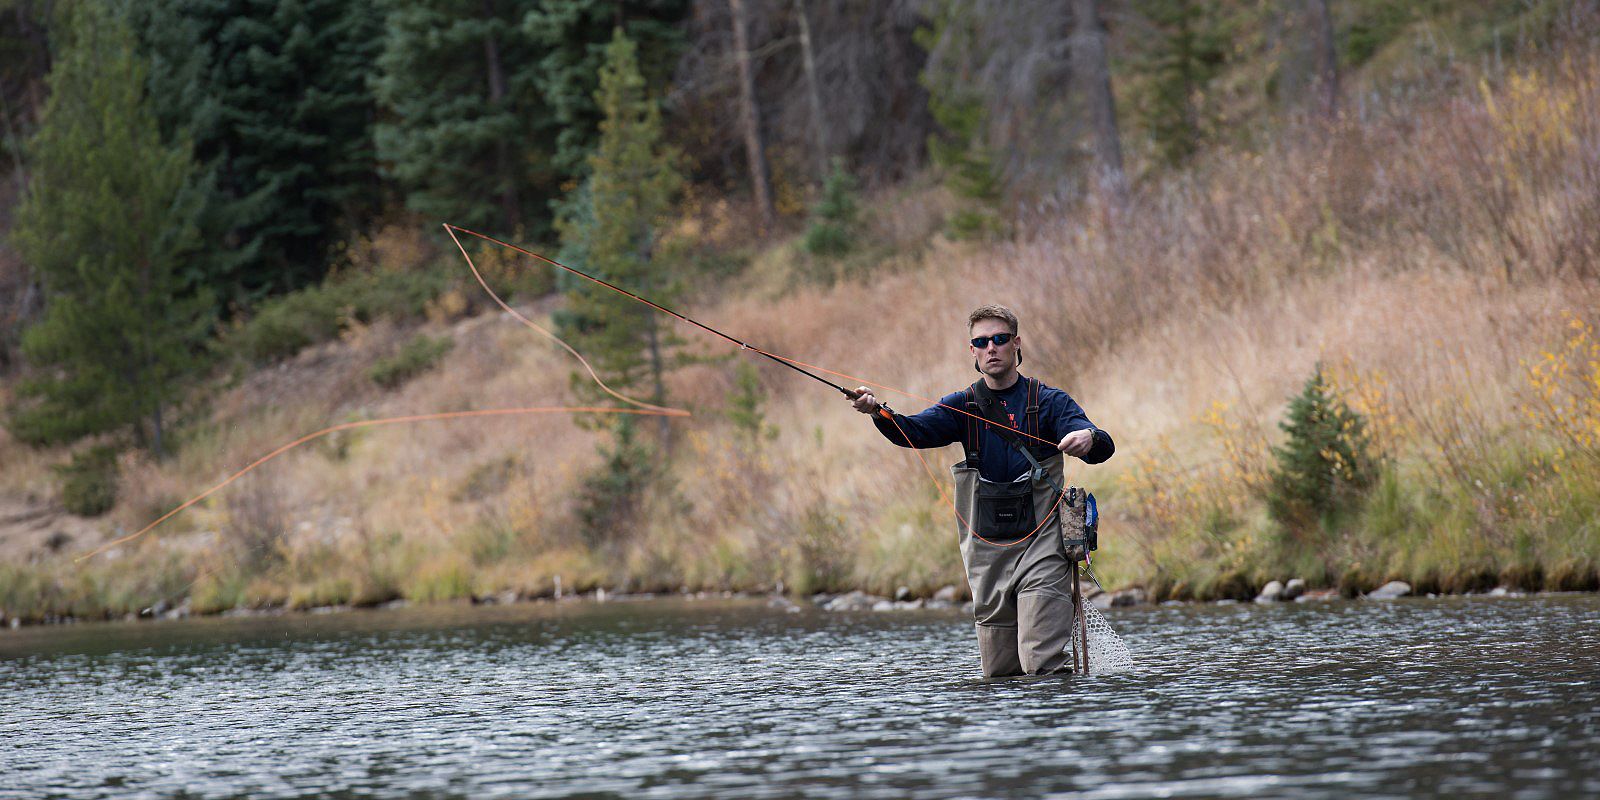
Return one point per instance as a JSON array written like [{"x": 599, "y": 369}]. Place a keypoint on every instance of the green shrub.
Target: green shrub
[
  {"x": 490, "y": 542},
  {"x": 395, "y": 295},
  {"x": 1325, "y": 465},
  {"x": 1235, "y": 584},
  {"x": 972, "y": 224},
  {"x": 284, "y": 325},
  {"x": 836, "y": 218},
  {"x": 383, "y": 566},
  {"x": 1573, "y": 575},
  {"x": 321, "y": 591},
  {"x": 609, "y": 501},
  {"x": 448, "y": 579},
  {"x": 89, "y": 482},
  {"x": 745, "y": 407},
  {"x": 820, "y": 560},
  {"x": 1375, "y": 26},
  {"x": 219, "y": 591},
  {"x": 25, "y": 592},
  {"x": 415, "y": 358},
  {"x": 827, "y": 239}
]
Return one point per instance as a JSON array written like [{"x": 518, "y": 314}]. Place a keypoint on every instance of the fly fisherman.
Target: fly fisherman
[{"x": 1010, "y": 531}]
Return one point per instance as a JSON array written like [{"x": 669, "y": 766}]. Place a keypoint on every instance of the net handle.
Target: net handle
[{"x": 1080, "y": 623}]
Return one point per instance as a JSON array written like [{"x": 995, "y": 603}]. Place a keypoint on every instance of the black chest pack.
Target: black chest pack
[{"x": 1006, "y": 510}]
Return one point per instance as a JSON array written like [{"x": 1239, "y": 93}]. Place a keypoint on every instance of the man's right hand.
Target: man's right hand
[{"x": 865, "y": 402}]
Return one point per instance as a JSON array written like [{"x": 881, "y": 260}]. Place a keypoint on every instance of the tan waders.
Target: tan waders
[{"x": 1018, "y": 570}]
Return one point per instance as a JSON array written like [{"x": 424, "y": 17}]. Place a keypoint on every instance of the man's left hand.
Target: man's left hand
[{"x": 1077, "y": 443}]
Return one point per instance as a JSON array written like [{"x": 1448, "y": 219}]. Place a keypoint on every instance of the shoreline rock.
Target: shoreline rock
[
  {"x": 1279, "y": 592},
  {"x": 1390, "y": 591}
]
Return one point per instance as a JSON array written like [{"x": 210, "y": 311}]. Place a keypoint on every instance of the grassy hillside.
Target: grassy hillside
[{"x": 1438, "y": 257}]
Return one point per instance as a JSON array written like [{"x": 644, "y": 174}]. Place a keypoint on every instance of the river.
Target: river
[{"x": 1466, "y": 697}]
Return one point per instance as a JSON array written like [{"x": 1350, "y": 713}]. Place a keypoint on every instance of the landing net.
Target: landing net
[{"x": 1107, "y": 651}]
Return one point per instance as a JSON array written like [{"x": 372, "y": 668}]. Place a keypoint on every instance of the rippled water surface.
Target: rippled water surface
[{"x": 733, "y": 699}]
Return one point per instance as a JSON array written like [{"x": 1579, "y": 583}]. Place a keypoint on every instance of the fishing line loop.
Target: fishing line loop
[{"x": 796, "y": 365}]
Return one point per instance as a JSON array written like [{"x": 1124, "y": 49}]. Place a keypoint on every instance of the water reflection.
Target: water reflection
[{"x": 701, "y": 699}]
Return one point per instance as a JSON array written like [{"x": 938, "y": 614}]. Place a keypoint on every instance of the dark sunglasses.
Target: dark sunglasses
[{"x": 981, "y": 342}]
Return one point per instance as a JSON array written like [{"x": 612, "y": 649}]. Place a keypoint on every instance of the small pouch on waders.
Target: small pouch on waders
[
  {"x": 1005, "y": 510},
  {"x": 1080, "y": 522}
]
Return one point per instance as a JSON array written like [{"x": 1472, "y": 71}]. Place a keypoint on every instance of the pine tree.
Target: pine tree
[
  {"x": 1325, "y": 463},
  {"x": 107, "y": 224},
  {"x": 746, "y": 408},
  {"x": 837, "y": 215},
  {"x": 1187, "y": 51},
  {"x": 274, "y": 95},
  {"x": 467, "y": 135},
  {"x": 609, "y": 229}
]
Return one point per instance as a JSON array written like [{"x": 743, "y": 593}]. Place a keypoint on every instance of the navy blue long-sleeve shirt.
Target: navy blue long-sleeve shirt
[{"x": 938, "y": 426}]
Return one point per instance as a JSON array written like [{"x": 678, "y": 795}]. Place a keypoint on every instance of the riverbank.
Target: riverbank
[{"x": 947, "y": 598}]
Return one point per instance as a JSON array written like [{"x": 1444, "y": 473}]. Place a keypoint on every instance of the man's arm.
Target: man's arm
[
  {"x": 935, "y": 426},
  {"x": 1081, "y": 438}
]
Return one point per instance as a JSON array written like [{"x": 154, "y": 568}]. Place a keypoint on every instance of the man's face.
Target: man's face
[{"x": 994, "y": 358}]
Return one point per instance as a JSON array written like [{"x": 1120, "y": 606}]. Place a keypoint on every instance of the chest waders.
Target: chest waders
[{"x": 1027, "y": 604}]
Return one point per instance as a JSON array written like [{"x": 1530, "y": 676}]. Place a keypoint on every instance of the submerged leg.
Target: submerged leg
[
  {"x": 997, "y": 648},
  {"x": 1044, "y": 632}
]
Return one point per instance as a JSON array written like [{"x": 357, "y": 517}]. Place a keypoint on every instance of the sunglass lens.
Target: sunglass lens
[{"x": 983, "y": 341}]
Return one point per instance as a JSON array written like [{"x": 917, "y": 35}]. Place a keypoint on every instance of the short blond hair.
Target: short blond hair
[{"x": 993, "y": 312}]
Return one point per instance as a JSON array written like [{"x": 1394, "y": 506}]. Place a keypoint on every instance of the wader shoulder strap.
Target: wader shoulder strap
[
  {"x": 974, "y": 429},
  {"x": 1030, "y": 422}
]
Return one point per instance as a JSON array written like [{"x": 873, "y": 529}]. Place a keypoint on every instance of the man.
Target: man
[{"x": 1010, "y": 530}]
